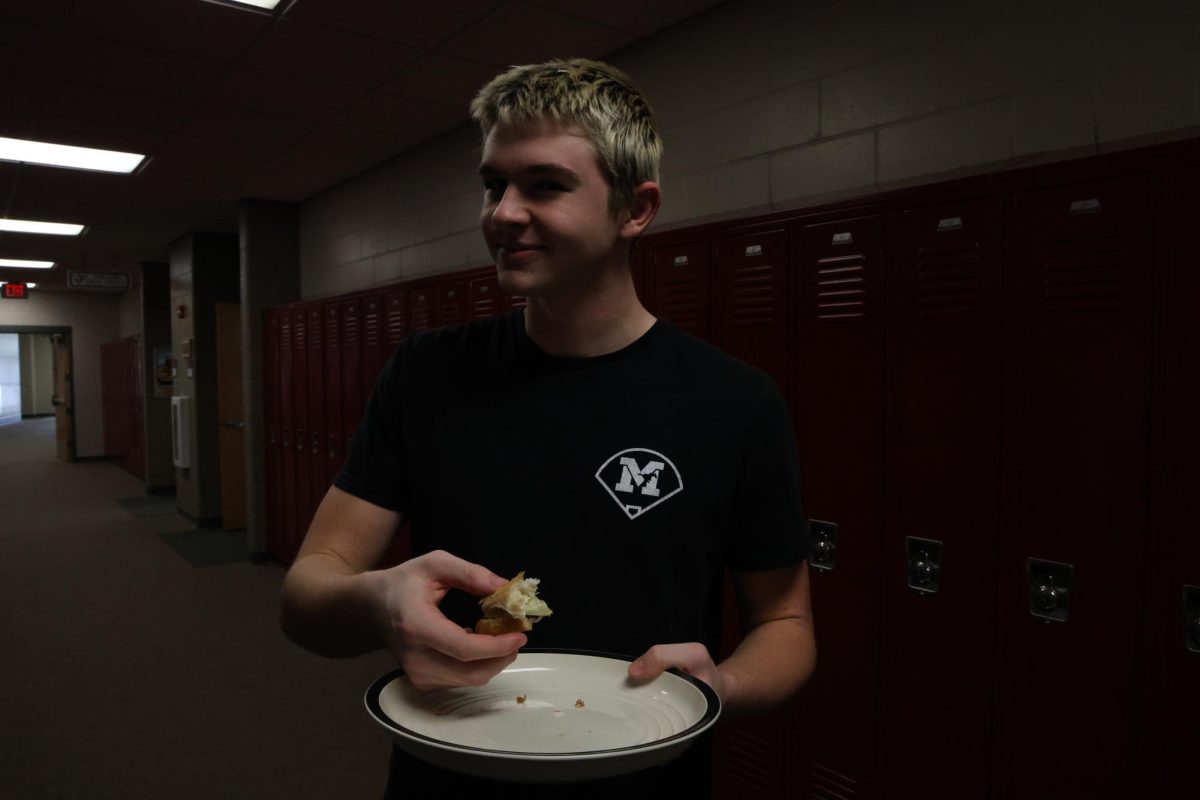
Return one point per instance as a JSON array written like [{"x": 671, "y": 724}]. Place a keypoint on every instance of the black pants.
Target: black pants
[{"x": 688, "y": 776}]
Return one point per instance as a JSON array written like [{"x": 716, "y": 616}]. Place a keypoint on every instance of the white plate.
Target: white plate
[{"x": 552, "y": 716}]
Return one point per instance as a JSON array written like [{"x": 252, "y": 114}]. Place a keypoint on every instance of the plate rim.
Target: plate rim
[{"x": 711, "y": 713}]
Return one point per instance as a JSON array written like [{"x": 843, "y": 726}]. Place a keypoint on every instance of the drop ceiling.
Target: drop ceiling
[{"x": 230, "y": 102}]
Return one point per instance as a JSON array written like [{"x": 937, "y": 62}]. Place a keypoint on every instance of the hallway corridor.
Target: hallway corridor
[{"x": 129, "y": 672}]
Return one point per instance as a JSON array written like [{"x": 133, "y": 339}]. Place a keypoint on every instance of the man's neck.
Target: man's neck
[{"x": 593, "y": 323}]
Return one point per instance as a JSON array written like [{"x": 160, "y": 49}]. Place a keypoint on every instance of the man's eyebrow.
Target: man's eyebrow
[{"x": 533, "y": 169}]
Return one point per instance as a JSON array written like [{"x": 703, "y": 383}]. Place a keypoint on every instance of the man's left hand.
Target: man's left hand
[{"x": 692, "y": 658}]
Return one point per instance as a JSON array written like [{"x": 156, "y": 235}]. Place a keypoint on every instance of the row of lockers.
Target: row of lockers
[
  {"x": 993, "y": 390},
  {"x": 122, "y": 393}
]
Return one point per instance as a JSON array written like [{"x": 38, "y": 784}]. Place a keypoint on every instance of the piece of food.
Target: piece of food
[{"x": 514, "y": 607}]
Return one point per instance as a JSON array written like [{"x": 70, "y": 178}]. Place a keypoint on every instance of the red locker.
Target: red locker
[
  {"x": 334, "y": 436},
  {"x": 840, "y": 426},
  {"x": 942, "y": 471},
  {"x": 353, "y": 401},
  {"x": 396, "y": 325},
  {"x": 483, "y": 297},
  {"x": 678, "y": 282},
  {"x": 272, "y": 429},
  {"x": 317, "y": 483},
  {"x": 422, "y": 307},
  {"x": 1173, "y": 610},
  {"x": 752, "y": 282},
  {"x": 301, "y": 486},
  {"x": 372, "y": 342},
  {"x": 1072, "y": 557},
  {"x": 451, "y": 301},
  {"x": 287, "y": 416}
]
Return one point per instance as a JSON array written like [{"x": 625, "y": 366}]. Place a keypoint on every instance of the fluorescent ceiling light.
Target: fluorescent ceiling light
[
  {"x": 267, "y": 4},
  {"x": 31, "y": 285},
  {"x": 29, "y": 226},
  {"x": 22, "y": 264},
  {"x": 62, "y": 155}
]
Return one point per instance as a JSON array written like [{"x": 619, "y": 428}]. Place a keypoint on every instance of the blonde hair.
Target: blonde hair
[{"x": 613, "y": 114}]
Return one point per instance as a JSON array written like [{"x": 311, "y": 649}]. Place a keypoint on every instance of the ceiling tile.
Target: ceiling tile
[
  {"x": 297, "y": 48},
  {"x": 245, "y": 126},
  {"x": 205, "y": 30},
  {"x": 225, "y": 160},
  {"x": 298, "y": 175},
  {"x": 135, "y": 69},
  {"x": 632, "y": 16},
  {"x": 353, "y": 143},
  {"x": 282, "y": 94},
  {"x": 398, "y": 115},
  {"x": 418, "y": 23},
  {"x": 518, "y": 33},
  {"x": 441, "y": 79}
]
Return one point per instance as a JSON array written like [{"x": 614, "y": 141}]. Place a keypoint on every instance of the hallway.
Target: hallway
[{"x": 130, "y": 672}]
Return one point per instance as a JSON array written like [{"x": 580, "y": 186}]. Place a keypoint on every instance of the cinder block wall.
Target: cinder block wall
[{"x": 774, "y": 104}]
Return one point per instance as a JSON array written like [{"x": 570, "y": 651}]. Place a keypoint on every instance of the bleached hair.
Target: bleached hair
[{"x": 600, "y": 99}]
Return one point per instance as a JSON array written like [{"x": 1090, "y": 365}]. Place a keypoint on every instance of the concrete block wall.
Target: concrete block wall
[{"x": 772, "y": 104}]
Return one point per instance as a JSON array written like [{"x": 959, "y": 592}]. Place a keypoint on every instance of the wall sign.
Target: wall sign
[
  {"x": 16, "y": 291},
  {"x": 98, "y": 280}
]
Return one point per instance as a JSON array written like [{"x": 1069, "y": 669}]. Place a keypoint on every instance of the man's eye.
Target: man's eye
[
  {"x": 493, "y": 187},
  {"x": 549, "y": 186}
]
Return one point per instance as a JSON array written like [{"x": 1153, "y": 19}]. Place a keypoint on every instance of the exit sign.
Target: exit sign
[{"x": 16, "y": 291}]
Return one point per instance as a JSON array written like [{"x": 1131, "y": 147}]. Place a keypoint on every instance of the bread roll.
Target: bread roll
[{"x": 514, "y": 607}]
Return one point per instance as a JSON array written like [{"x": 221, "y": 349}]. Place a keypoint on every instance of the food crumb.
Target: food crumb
[
  {"x": 521, "y": 698},
  {"x": 579, "y": 704}
]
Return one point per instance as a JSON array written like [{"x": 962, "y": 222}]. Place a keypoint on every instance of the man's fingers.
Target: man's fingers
[
  {"x": 446, "y": 637},
  {"x": 691, "y": 658},
  {"x": 457, "y": 573}
]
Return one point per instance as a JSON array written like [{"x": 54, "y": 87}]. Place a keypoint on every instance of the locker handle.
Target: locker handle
[
  {"x": 316, "y": 443},
  {"x": 1050, "y": 590},
  {"x": 300, "y": 440},
  {"x": 824, "y": 544},
  {"x": 1191, "y": 618},
  {"x": 332, "y": 446},
  {"x": 924, "y": 565},
  {"x": 287, "y": 437}
]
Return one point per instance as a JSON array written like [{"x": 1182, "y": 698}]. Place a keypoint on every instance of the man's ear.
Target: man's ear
[{"x": 647, "y": 199}]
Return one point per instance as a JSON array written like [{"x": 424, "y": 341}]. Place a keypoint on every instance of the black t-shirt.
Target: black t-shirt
[{"x": 626, "y": 482}]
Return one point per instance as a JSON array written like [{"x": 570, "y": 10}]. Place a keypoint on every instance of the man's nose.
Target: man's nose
[{"x": 511, "y": 209}]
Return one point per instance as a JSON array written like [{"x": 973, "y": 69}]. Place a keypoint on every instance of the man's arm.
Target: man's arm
[
  {"x": 776, "y": 656},
  {"x": 336, "y": 605}
]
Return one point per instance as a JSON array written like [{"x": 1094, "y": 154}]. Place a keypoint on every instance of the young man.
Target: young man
[{"x": 620, "y": 461}]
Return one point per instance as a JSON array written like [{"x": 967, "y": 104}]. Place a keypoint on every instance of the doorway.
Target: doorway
[{"x": 63, "y": 397}]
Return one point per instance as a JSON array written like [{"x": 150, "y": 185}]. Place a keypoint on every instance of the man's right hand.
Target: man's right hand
[{"x": 433, "y": 651}]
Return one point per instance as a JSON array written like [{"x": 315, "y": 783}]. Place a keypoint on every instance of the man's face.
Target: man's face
[{"x": 545, "y": 212}]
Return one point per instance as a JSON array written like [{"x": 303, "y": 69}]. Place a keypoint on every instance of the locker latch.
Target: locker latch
[
  {"x": 924, "y": 565},
  {"x": 1050, "y": 590},
  {"x": 1191, "y": 618},
  {"x": 823, "y": 536}
]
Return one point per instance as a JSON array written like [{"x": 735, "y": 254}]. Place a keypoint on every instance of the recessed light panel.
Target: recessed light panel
[
  {"x": 267, "y": 4},
  {"x": 29, "y": 226},
  {"x": 62, "y": 155},
  {"x": 20, "y": 263}
]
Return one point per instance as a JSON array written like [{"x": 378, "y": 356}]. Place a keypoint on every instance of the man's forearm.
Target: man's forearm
[
  {"x": 329, "y": 610},
  {"x": 772, "y": 662}
]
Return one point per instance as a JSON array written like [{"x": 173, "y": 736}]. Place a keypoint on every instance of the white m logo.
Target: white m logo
[{"x": 635, "y": 487}]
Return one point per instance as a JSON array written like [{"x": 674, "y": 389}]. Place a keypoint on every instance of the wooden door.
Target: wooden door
[
  {"x": 64, "y": 397},
  {"x": 231, "y": 425}
]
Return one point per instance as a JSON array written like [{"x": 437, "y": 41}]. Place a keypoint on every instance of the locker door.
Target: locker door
[
  {"x": 396, "y": 322},
  {"x": 452, "y": 302},
  {"x": 1174, "y": 591},
  {"x": 679, "y": 287},
  {"x": 421, "y": 309},
  {"x": 752, "y": 281},
  {"x": 272, "y": 424},
  {"x": 300, "y": 414},
  {"x": 840, "y": 425},
  {"x": 942, "y": 473},
  {"x": 287, "y": 441},
  {"x": 372, "y": 342},
  {"x": 483, "y": 297},
  {"x": 316, "y": 408},
  {"x": 334, "y": 436},
  {"x": 1077, "y": 371},
  {"x": 353, "y": 400}
]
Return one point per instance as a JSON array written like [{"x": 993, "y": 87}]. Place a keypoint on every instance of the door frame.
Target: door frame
[{"x": 61, "y": 329}]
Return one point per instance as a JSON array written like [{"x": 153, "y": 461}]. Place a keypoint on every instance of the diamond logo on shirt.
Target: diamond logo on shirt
[{"x": 639, "y": 479}]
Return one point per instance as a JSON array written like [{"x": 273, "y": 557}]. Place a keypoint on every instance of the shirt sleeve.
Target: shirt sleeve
[
  {"x": 769, "y": 527},
  {"x": 374, "y": 468}
]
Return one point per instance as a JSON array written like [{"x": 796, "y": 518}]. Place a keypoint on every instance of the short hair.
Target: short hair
[{"x": 612, "y": 112}]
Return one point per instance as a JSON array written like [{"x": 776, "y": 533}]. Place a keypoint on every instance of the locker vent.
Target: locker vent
[
  {"x": 841, "y": 287},
  {"x": 484, "y": 304},
  {"x": 948, "y": 281},
  {"x": 828, "y": 784},
  {"x": 350, "y": 329},
  {"x": 681, "y": 302},
  {"x": 331, "y": 328},
  {"x": 285, "y": 334},
  {"x": 749, "y": 765},
  {"x": 1083, "y": 275},
  {"x": 395, "y": 320},
  {"x": 421, "y": 319},
  {"x": 753, "y": 300},
  {"x": 298, "y": 331},
  {"x": 372, "y": 328}
]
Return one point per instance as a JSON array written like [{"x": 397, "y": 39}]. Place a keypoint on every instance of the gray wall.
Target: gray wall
[
  {"x": 775, "y": 104},
  {"x": 155, "y": 294},
  {"x": 37, "y": 374}
]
